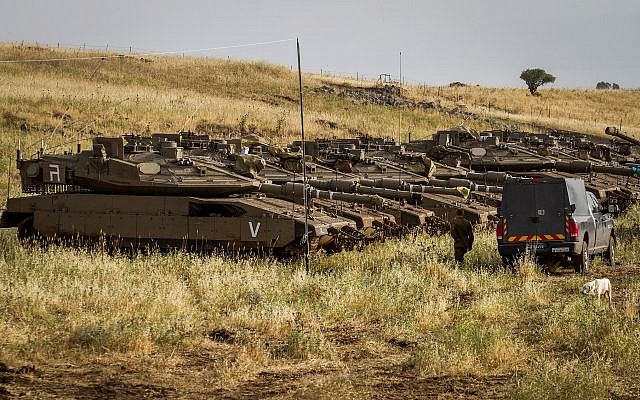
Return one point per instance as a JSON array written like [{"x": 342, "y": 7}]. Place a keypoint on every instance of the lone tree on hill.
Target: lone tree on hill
[
  {"x": 607, "y": 85},
  {"x": 536, "y": 77}
]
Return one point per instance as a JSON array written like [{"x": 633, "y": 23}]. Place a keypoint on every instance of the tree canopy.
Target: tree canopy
[
  {"x": 607, "y": 85},
  {"x": 536, "y": 77}
]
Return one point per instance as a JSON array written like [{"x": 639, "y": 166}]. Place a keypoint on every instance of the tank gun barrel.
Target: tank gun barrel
[
  {"x": 513, "y": 166},
  {"x": 613, "y": 131},
  {"x": 585, "y": 167},
  {"x": 387, "y": 188},
  {"x": 452, "y": 186},
  {"x": 451, "y": 182},
  {"x": 624, "y": 171},
  {"x": 488, "y": 178},
  {"x": 291, "y": 189},
  {"x": 573, "y": 167}
]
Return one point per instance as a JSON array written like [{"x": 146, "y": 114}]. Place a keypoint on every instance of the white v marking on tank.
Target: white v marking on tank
[{"x": 254, "y": 232}]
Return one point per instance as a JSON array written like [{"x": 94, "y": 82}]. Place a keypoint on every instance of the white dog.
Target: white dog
[{"x": 598, "y": 287}]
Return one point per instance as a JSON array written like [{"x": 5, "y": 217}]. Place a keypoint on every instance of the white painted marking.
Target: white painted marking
[
  {"x": 54, "y": 171},
  {"x": 254, "y": 232}
]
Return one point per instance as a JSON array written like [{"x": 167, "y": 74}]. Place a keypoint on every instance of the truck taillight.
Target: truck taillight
[
  {"x": 499, "y": 230},
  {"x": 573, "y": 229}
]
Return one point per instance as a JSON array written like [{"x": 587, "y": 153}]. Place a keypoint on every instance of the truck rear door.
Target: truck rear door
[
  {"x": 534, "y": 211},
  {"x": 517, "y": 208},
  {"x": 550, "y": 199}
]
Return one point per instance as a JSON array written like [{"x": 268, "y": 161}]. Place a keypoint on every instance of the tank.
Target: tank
[
  {"x": 153, "y": 192},
  {"x": 383, "y": 167},
  {"x": 607, "y": 166},
  {"x": 131, "y": 221},
  {"x": 193, "y": 191},
  {"x": 613, "y": 131}
]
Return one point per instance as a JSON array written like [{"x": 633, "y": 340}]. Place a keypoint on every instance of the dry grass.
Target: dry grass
[
  {"x": 399, "y": 301},
  {"x": 581, "y": 110}
]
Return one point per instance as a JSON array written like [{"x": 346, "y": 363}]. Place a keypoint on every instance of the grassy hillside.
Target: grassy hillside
[{"x": 397, "y": 319}]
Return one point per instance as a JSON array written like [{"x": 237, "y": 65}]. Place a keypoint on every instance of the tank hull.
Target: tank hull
[{"x": 164, "y": 221}]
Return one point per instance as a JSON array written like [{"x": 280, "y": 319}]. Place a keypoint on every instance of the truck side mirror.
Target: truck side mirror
[
  {"x": 613, "y": 209},
  {"x": 572, "y": 208}
]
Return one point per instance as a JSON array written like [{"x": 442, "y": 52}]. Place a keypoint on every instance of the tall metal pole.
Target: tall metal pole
[
  {"x": 304, "y": 166},
  {"x": 400, "y": 68},
  {"x": 8, "y": 181}
]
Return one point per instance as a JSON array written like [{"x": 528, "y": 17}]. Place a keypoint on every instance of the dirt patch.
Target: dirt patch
[
  {"x": 361, "y": 370},
  {"x": 62, "y": 116},
  {"x": 93, "y": 381},
  {"x": 204, "y": 126},
  {"x": 10, "y": 375},
  {"x": 447, "y": 387},
  {"x": 383, "y": 378},
  {"x": 13, "y": 121},
  {"x": 222, "y": 335},
  {"x": 384, "y": 95},
  {"x": 327, "y": 124}
]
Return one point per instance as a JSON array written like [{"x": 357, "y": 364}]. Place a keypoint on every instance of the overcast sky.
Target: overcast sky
[{"x": 487, "y": 42}]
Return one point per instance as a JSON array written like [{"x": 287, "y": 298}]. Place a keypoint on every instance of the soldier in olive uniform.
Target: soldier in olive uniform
[{"x": 462, "y": 234}]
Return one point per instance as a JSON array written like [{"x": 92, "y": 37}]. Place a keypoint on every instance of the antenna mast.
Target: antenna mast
[{"x": 304, "y": 166}]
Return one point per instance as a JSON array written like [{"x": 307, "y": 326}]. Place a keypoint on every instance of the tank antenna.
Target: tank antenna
[
  {"x": 18, "y": 154},
  {"x": 304, "y": 167},
  {"x": 8, "y": 181}
]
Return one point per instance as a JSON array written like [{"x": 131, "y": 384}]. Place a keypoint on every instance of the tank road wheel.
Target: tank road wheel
[
  {"x": 26, "y": 231},
  {"x": 610, "y": 255},
  {"x": 581, "y": 261}
]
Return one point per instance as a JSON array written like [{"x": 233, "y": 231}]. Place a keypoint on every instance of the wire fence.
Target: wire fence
[{"x": 133, "y": 50}]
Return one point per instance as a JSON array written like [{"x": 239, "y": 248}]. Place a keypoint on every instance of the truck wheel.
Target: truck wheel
[
  {"x": 610, "y": 255},
  {"x": 582, "y": 259}
]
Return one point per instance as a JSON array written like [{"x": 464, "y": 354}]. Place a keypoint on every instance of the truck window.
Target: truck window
[
  {"x": 577, "y": 196},
  {"x": 593, "y": 202}
]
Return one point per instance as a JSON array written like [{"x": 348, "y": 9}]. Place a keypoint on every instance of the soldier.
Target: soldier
[{"x": 462, "y": 234}]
